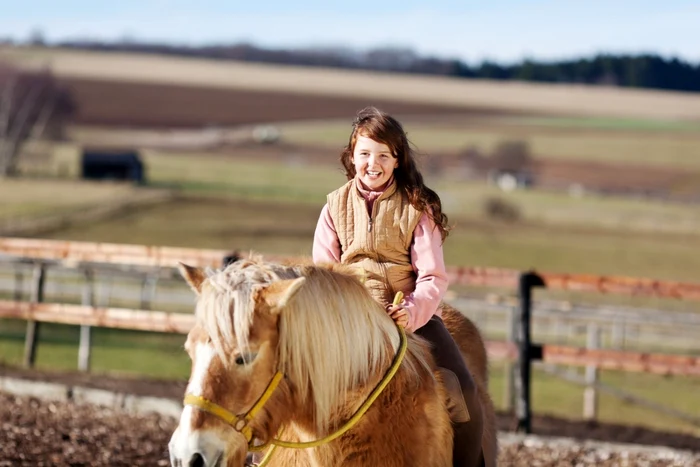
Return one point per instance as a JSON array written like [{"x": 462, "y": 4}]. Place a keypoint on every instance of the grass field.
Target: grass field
[
  {"x": 678, "y": 145},
  {"x": 22, "y": 198},
  {"x": 556, "y": 233}
]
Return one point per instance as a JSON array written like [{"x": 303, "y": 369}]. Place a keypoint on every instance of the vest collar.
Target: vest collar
[{"x": 371, "y": 196}]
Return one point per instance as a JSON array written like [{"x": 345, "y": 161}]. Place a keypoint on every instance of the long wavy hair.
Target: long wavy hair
[{"x": 382, "y": 127}]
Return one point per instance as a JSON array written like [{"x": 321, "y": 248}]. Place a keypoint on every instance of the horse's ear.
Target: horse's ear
[
  {"x": 194, "y": 276},
  {"x": 278, "y": 294}
]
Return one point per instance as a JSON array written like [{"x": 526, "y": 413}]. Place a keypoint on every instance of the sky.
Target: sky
[{"x": 503, "y": 31}]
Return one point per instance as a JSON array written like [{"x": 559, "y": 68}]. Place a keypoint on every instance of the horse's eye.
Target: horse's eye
[{"x": 246, "y": 359}]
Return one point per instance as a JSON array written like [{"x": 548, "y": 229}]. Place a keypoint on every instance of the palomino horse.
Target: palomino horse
[{"x": 287, "y": 355}]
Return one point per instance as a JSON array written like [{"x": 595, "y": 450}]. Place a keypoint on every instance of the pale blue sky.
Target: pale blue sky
[{"x": 500, "y": 30}]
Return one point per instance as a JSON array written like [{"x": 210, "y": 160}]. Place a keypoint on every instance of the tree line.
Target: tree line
[{"x": 638, "y": 71}]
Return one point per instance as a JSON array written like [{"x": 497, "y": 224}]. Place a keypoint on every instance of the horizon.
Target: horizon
[{"x": 504, "y": 32}]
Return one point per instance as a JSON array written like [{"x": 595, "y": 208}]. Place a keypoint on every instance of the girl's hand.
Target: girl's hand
[{"x": 399, "y": 314}]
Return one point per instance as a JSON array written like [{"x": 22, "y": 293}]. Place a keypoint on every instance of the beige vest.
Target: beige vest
[{"x": 380, "y": 245}]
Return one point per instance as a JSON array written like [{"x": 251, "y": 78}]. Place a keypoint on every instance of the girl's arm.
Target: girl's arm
[
  {"x": 326, "y": 248},
  {"x": 431, "y": 282}
]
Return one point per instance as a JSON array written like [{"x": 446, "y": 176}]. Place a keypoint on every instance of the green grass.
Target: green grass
[
  {"x": 270, "y": 208},
  {"x": 554, "y": 396},
  {"x": 228, "y": 176},
  {"x": 275, "y": 209},
  {"x": 21, "y": 198},
  {"x": 278, "y": 228},
  {"x": 467, "y": 199},
  {"x": 157, "y": 355},
  {"x": 675, "y": 147},
  {"x": 603, "y": 123},
  {"x": 283, "y": 228}
]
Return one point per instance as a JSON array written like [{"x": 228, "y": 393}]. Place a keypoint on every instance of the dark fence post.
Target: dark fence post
[
  {"x": 32, "y": 335},
  {"x": 526, "y": 351}
]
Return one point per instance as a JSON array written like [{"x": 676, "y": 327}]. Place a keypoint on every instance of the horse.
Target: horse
[{"x": 299, "y": 361}]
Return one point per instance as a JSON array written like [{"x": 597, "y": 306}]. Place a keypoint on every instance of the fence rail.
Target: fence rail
[
  {"x": 159, "y": 256},
  {"x": 120, "y": 318},
  {"x": 112, "y": 253},
  {"x": 158, "y": 321}
]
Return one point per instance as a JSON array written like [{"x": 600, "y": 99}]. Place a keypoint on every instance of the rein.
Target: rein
[{"x": 240, "y": 423}]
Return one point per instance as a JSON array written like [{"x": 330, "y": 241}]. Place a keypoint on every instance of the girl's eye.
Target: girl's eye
[{"x": 240, "y": 360}]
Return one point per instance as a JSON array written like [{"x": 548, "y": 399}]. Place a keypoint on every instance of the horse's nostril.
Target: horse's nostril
[{"x": 197, "y": 460}]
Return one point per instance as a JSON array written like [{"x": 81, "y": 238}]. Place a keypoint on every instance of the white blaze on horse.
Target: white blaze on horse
[{"x": 303, "y": 359}]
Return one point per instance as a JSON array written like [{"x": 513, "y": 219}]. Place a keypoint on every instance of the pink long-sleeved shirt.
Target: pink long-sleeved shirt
[{"x": 426, "y": 258}]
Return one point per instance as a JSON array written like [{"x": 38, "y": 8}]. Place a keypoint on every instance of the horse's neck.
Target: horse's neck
[{"x": 404, "y": 385}]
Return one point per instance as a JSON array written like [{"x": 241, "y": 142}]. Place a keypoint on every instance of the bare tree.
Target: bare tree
[{"x": 31, "y": 102}]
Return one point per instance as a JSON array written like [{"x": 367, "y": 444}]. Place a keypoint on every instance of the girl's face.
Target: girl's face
[{"x": 374, "y": 162}]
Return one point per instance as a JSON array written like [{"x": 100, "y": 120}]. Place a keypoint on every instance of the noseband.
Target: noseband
[{"x": 240, "y": 423}]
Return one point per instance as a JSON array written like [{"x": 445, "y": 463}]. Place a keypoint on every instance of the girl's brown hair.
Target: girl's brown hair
[{"x": 382, "y": 127}]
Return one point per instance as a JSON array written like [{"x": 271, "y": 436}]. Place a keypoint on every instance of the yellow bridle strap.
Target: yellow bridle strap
[
  {"x": 360, "y": 412},
  {"x": 238, "y": 422}
]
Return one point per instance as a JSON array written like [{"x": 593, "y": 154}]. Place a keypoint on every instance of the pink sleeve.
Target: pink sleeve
[
  {"x": 326, "y": 248},
  {"x": 431, "y": 282}
]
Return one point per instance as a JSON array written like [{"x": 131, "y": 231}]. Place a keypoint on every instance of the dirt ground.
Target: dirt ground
[
  {"x": 62, "y": 434},
  {"x": 542, "y": 425}
]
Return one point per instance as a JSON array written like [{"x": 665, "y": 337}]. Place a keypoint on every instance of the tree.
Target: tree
[{"x": 31, "y": 103}]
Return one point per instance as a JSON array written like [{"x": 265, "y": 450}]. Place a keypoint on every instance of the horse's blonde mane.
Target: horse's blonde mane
[{"x": 334, "y": 337}]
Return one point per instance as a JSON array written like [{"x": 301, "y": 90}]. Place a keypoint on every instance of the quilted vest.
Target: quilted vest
[{"x": 379, "y": 245}]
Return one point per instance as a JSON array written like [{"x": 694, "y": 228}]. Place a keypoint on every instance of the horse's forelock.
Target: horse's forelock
[{"x": 225, "y": 308}]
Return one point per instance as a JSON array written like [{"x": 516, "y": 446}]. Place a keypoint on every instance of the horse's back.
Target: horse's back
[{"x": 470, "y": 341}]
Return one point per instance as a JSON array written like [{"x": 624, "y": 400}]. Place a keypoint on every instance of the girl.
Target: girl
[{"x": 387, "y": 222}]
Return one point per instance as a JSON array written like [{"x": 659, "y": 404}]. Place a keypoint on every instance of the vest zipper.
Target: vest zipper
[{"x": 373, "y": 249}]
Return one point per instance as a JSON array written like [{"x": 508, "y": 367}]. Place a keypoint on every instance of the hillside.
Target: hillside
[{"x": 459, "y": 93}]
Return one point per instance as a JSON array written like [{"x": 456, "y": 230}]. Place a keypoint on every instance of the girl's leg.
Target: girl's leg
[{"x": 467, "y": 435}]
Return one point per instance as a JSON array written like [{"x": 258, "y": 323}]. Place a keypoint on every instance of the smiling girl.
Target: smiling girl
[{"x": 387, "y": 223}]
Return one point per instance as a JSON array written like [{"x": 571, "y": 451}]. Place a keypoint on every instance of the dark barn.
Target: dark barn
[{"x": 113, "y": 165}]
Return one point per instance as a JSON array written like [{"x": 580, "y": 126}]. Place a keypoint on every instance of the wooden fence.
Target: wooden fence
[{"x": 521, "y": 349}]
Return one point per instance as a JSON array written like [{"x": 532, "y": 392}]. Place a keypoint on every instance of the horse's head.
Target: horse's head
[{"x": 233, "y": 348}]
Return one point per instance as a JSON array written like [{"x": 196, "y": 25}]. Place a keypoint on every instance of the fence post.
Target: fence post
[
  {"x": 618, "y": 334},
  {"x": 32, "y": 335},
  {"x": 590, "y": 394},
  {"x": 19, "y": 283},
  {"x": 148, "y": 290},
  {"x": 526, "y": 351},
  {"x": 509, "y": 370},
  {"x": 85, "y": 330}
]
